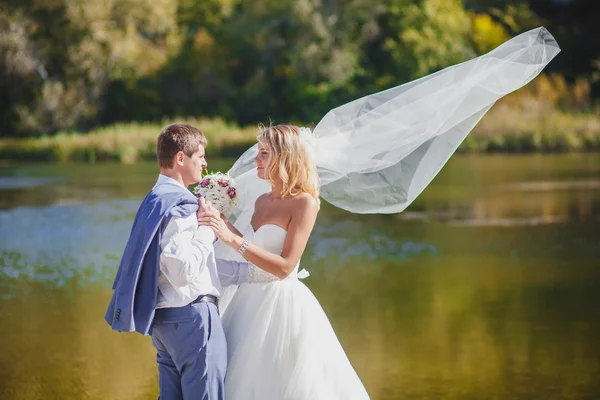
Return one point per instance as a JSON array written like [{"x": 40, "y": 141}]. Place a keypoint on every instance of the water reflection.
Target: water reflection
[
  {"x": 58, "y": 347},
  {"x": 56, "y": 244},
  {"x": 472, "y": 293},
  {"x": 530, "y": 203}
]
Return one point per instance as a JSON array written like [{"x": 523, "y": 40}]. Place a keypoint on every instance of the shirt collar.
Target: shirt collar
[{"x": 162, "y": 179}]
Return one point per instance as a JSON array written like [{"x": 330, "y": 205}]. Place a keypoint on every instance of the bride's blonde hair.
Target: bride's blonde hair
[{"x": 290, "y": 160}]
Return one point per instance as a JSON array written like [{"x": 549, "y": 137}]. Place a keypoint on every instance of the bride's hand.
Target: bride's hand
[{"x": 231, "y": 227}]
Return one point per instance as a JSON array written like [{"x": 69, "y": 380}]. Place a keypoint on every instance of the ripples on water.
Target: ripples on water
[{"x": 18, "y": 182}]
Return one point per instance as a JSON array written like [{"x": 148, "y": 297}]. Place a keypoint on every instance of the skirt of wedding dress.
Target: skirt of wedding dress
[{"x": 281, "y": 346}]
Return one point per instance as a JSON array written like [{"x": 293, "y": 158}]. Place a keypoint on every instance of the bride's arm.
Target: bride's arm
[
  {"x": 301, "y": 224},
  {"x": 230, "y": 226}
]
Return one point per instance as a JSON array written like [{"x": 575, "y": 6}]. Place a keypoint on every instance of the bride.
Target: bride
[
  {"x": 372, "y": 155},
  {"x": 280, "y": 342}
]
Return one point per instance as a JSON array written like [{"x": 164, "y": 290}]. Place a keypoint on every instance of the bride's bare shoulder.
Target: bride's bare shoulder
[
  {"x": 305, "y": 202},
  {"x": 261, "y": 198}
]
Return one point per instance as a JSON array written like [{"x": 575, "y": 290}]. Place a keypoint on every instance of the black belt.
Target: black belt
[{"x": 207, "y": 298}]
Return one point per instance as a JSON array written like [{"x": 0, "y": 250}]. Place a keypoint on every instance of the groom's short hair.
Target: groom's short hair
[{"x": 175, "y": 138}]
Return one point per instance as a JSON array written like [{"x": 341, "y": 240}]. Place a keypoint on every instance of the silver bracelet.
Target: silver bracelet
[{"x": 243, "y": 247}]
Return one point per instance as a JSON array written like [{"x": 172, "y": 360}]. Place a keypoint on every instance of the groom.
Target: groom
[{"x": 167, "y": 284}]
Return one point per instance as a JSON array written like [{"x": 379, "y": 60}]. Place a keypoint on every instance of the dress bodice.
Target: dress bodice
[{"x": 269, "y": 237}]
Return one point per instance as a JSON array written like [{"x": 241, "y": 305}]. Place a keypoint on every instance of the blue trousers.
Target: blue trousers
[{"x": 191, "y": 352}]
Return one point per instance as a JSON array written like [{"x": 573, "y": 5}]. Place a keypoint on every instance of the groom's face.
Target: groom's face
[{"x": 193, "y": 166}]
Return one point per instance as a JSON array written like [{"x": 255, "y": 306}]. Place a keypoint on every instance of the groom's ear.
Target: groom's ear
[{"x": 179, "y": 158}]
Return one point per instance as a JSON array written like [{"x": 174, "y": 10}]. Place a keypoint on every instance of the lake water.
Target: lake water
[{"x": 487, "y": 287}]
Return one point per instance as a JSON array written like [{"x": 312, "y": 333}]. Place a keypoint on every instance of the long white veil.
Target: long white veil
[{"x": 376, "y": 154}]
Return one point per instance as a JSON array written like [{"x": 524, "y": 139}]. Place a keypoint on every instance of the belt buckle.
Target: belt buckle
[{"x": 207, "y": 298}]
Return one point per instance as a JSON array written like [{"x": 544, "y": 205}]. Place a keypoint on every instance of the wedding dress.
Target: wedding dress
[
  {"x": 373, "y": 155},
  {"x": 281, "y": 345}
]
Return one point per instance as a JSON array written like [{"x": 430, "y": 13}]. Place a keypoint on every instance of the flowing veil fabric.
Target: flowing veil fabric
[{"x": 377, "y": 154}]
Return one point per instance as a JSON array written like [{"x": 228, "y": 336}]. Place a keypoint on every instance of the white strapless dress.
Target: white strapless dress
[{"x": 280, "y": 343}]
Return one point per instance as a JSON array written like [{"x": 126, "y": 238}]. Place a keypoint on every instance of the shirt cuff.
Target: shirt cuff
[{"x": 205, "y": 234}]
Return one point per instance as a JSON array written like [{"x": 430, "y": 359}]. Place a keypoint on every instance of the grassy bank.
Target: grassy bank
[
  {"x": 125, "y": 142},
  {"x": 534, "y": 127},
  {"x": 503, "y": 129}
]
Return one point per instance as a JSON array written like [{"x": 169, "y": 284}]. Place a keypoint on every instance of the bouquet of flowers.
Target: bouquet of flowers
[{"x": 219, "y": 189}]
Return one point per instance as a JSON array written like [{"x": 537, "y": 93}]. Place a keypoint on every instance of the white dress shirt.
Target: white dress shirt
[{"x": 187, "y": 261}]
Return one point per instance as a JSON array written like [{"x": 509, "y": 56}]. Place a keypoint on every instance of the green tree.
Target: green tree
[
  {"x": 78, "y": 48},
  {"x": 287, "y": 57},
  {"x": 432, "y": 34}
]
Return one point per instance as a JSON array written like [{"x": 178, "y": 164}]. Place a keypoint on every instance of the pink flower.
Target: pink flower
[
  {"x": 223, "y": 183},
  {"x": 231, "y": 192},
  {"x": 199, "y": 195},
  {"x": 205, "y": 182}
]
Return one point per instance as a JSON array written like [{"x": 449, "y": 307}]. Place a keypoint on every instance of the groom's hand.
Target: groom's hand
[
  {"x": 205, "y": 209},
  {"x": 209, "y": 216}
]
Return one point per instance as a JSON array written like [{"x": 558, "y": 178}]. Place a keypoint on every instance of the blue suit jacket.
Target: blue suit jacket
[{"x": 136, "y": 284}]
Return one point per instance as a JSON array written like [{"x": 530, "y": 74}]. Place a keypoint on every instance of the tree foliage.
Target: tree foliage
[{"x": 68, "y": 64}]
